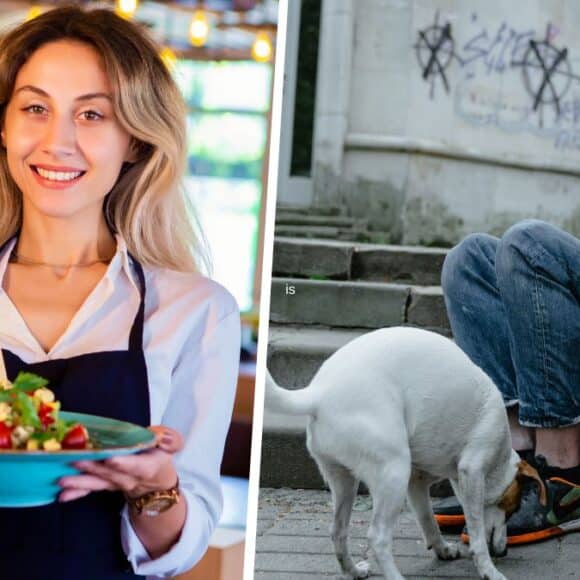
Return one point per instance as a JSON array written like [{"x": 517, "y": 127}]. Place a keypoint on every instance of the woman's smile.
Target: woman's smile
[{"x": 56, "y": 177}]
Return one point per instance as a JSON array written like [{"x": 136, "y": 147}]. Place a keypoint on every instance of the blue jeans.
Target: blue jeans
[{"x": 514, "y": 308}]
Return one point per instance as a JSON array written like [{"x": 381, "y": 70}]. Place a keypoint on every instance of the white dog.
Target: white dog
[{"x": 401, "y": 408}]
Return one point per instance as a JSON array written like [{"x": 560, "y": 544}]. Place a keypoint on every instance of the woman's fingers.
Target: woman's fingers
[
  {"x": 142, "y": 466},
  {"x": 71, "y": 494},
  {"x": 168, "y": 439},
  {"x": 120, "y": 480},
  {"x": 86, "y": 483}
]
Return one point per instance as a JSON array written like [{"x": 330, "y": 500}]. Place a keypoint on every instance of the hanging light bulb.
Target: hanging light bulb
[
  {"x": 33, "y": 12},
  {"x": 199, "y": 28},
  {"x": 126, "y": 8},
  {"x": 168, "y": 57},
  {"x": 262, "y": 47}
]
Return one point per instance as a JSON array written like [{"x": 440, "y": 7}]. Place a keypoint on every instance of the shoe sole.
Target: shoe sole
[
  {"x": 539, "y": 536},
  {"x": 447, "y": 521}
]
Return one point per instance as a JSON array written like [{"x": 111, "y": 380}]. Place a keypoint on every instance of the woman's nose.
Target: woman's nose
[{"x": 60, "y": 137}]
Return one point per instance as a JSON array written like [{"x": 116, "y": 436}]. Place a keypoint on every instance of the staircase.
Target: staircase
[{"x": 325, "y": 293}]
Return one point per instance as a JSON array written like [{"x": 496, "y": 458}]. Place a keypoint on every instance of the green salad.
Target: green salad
[{"x": 29, "y": 418}]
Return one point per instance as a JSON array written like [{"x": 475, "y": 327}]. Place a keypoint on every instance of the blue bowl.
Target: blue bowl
[{"x": 29, "y": 478}]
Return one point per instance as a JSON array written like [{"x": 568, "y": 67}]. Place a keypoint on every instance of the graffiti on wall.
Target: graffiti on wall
[
  {"x": 435, "y": 49},
  {"x": 513, "y": 78}
]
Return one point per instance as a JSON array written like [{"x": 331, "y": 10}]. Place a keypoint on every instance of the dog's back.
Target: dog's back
[{"x": 396, "y": 383}]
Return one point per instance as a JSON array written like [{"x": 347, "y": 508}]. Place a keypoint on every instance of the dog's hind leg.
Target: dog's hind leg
[
  {"x": 343, "y": 487},
  {"x": 388, "y": 486},
  {"x": 471, "y": 487},
  {"x": 420, "y": 502}
]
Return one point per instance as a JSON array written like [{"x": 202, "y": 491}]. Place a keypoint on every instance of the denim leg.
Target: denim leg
[
  {"x": 476, "y": 311},
  {"x": 538, "y": 274}
]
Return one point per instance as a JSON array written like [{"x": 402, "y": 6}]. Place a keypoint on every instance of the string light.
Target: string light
[
  {"x": 168, "y": 57},
  {"x": 199, "y": 28},
  {"x": 33, "y": 12},
  {"x": 262, "y": 47},
  {"x": 126, "y": 8}
]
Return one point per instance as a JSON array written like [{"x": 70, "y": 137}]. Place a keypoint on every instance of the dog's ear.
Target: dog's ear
[
  {"x": 525, "y": 470},
  {"x": 510, "y": 500}
]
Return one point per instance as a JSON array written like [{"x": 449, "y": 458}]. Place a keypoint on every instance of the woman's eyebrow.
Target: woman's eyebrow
[{"x": 42, "y": 93}]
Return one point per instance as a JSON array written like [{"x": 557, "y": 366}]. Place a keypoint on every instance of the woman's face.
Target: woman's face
[{"x": 65, "y": 148}]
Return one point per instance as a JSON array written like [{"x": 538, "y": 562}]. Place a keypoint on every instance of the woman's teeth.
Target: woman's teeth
[{"x": 58, "y": 175}]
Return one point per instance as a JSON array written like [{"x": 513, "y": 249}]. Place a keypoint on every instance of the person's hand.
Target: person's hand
[{"x": 134, "y": 475}]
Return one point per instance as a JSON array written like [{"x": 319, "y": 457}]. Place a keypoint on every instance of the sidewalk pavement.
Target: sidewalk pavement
[{"x": 293, "y": 543}]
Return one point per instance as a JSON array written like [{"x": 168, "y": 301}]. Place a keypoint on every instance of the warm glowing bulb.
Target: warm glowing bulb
[
  {"x": 33, "y": 12},
  {"x": 262, "y": 47},
  {"x": 168, "y": 57},
  {"x": 199, "y": 28},
  {"x": 126, "y": 8}
]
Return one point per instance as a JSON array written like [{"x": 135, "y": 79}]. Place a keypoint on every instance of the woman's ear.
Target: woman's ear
[
  {"x": 133, "y": 151},
  {"x": 137, "y": 150}
]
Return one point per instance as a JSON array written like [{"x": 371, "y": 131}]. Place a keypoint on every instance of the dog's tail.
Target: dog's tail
[{"x": 290, "y": 402}]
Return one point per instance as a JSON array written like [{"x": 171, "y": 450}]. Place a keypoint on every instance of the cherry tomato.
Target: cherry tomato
[
  {"x": 76, "y": 438},
  {"x": 5, "y": 431},
  {"x": 45, "y": 415}
]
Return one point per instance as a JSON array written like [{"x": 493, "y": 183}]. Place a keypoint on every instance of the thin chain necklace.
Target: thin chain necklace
[{"x": 28, "y": 262}]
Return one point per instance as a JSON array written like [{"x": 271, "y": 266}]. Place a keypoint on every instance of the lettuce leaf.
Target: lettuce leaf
[{"x": 28, "y": 382}]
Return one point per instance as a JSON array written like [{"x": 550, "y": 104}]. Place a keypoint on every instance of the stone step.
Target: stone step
[
  {"x": 322, "y": 210},
  {"x": 351, "y": 304},
  {"x": 304, "y": 258},
  {"x": 326, "y": 232},
  {"x": 296, "y": 353},
  {"x": 292, "y": 219},
  {"x": 285, "y": 459}
]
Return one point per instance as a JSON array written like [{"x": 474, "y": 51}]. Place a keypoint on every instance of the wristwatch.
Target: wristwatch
[{"x": 155, "y": 502}]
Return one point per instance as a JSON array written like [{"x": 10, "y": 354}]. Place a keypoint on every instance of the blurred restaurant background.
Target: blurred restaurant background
[{"x": 221, "y": 53}]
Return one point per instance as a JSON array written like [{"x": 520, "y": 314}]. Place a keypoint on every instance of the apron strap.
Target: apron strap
[{"x": 136, "y": 336}]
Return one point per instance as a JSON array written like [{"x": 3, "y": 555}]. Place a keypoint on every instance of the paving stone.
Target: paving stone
[{"x": 298, "y": 546}]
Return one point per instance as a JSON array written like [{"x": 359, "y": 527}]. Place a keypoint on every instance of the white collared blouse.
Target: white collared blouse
[{"x": 191, "y": 341}]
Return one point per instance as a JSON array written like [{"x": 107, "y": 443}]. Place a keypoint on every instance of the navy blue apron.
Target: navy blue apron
[{"x": 79, "y": 540}]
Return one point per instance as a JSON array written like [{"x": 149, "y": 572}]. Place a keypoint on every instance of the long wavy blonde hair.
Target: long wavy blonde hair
[{"x": 148, "y": 205}]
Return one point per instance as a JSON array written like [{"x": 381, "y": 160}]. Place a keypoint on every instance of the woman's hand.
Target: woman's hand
[{"x": 134, "y": 475}]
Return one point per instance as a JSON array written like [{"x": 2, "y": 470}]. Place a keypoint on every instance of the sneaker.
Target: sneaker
[
  {"x": 449, "y": 512},
  {"x": 534, "y": 522}
]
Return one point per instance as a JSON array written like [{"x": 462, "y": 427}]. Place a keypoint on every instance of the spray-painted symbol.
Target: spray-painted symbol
[
  {"x": 435, "y": 50},
  {"x": 547, "y": 72}
]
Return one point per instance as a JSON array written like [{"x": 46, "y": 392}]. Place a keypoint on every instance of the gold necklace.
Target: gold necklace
[{"x": 28, "y": 262}]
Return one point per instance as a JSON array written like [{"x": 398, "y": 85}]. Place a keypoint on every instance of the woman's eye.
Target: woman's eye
[
  {"x": 35, "y": 109},
  {"x": 91, "y": 116}
]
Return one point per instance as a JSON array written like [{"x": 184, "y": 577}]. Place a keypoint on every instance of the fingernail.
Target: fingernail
[{"x": 167, "y": 438}]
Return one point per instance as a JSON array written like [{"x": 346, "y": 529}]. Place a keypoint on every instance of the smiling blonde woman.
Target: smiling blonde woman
[{"x": 101, "y": 295}]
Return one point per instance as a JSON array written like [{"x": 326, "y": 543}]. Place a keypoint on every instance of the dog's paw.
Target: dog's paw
[
  {"x": 360, "y": 570},
  {"x": 495, "y": 575},
  {"x": 448, "y": 551}
]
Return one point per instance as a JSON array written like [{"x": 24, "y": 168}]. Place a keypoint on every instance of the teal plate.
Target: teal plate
[{"x": 30, "y": 478}]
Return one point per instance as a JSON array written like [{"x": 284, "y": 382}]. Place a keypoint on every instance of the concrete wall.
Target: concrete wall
[{"x": 436, "y": 118}]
